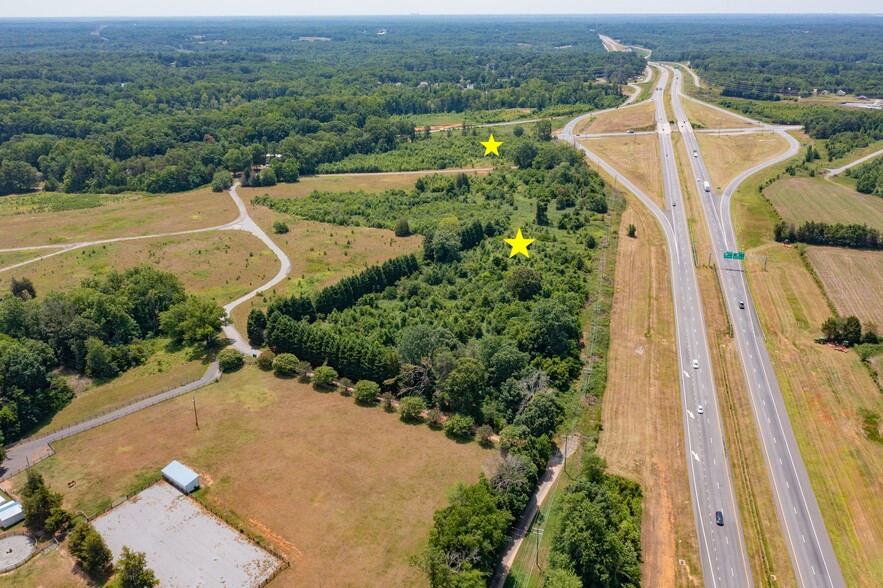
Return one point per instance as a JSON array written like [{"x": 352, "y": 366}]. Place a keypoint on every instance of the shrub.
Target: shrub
[
  {"x": 89, "y": 548},
  {"x": 402, "y": 229},
  {"x": 265, "y": 360},
  {"x": 324, "y": 376},
  {"x": 285, "y": 365},
  {"x": 631, "y": 231},
  {"x": 410, "y": 408},
  {"x": 303, "y": 368},
  {"x": 386, "y": 402},
  {"x": 230, "y": 360},
  {"x": 483, "y": 433},
  {"x": 345, "y": 384},
  {"x": 366, "y": 391},
  {"x": 280, "y": 228},
  {"x": 434, "y": 418},
  {"x": 459, "y": 426}
]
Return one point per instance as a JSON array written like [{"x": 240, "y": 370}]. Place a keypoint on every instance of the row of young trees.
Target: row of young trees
[{"x": 838, "y": 235}]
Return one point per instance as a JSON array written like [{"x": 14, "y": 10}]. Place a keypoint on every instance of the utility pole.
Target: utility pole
[{"x": 195, "y": 416}]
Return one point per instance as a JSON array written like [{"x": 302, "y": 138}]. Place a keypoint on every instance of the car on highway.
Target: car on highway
[
  {"x": 695, "y": 153},
  {"x": 630, "y": 132},
  {"x": 695, "y": 364},
  {"x": 741, "y": 304},
  {"x": 719, "y": 518},
  {"x": 700, "y": 410}
]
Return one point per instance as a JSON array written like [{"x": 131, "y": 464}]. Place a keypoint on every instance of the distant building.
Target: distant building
[
  {"x": 181, "y": 477},
  {"x": 841, "y": 93},
  {"x": 862, "y": 97},
  {"x": 825, "y": 92},
  {"x": 423, "y": 85},
  {"x": 11, "y": 513}
]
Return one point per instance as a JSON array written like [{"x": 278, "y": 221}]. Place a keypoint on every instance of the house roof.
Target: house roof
[
  {"x": 10, "y": 510},
  {"x": 179, "y": 473}
]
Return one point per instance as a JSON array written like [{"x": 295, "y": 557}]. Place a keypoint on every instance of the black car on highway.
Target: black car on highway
[{"x": 719, "y": 518}]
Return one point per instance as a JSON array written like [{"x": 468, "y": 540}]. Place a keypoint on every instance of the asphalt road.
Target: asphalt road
[
  {"x": 722, "y": 548},
  {"x": 861, "y": 160},
  {"x": 809, "y": 545}
]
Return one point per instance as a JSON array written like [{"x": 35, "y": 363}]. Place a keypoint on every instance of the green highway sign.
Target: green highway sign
[
  {"x": 734, "y": 255},
  {"x": 728, "y": 255}
]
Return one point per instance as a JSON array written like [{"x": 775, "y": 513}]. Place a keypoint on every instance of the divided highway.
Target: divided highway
[
  {"x": 722, "y": 547},
  {"x": 810, "y": 547}
]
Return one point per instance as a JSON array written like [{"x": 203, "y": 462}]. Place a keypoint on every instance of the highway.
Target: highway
[
  {"x": 722, "y": 547},
  {"x": 812, "y": 554}
]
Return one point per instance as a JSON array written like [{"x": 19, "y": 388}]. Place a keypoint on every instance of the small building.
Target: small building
[
  {"x": 11, "y": 513},
  {"x": 841, "y": 93},
  {"x": 862, "y": 97},
  {"x": 181, "y": 477},
  {"x": 825, "y": 92}
]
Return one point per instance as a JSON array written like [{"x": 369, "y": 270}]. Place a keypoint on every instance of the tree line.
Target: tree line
[
  {"x": 869, "y": 177},
  {"x": 838, "y": 235}
]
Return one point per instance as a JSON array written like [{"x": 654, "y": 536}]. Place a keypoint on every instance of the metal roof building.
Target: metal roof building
[
  {"x": 181, "y": 477},
  {"x": 11, "y": 513}
]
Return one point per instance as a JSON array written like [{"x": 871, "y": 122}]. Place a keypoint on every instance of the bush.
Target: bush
[
  {"x": 366, "y": 392},
  {"x": 265, "y": 360},
  {"x": 386, "y": 402},
  {"x": 434, "y": 418},
  {"x": 345, "y": 384},
  {"x": 230, "y": 360},
  {"x": 280, "y": 228},
  {"x": 285, "y": 365},
  {"x": 631, "y": 231},
  {"x": 484, "y": 433},
  {"x": 324, "y": 376},
  {"x": 459, "y": 426},
  {"x": 89, "y": 548},
  {"x": 410, "y": 408},
  {"x": 402, "y": 229}
]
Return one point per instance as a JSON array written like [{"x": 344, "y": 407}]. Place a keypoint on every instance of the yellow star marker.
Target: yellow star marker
[
  {"x": 491, "y": 146},
  {"x": 519, "y": 244}
]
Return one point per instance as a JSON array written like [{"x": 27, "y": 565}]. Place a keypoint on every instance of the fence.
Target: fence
[
  {"x": 132, "y": 493},
  {"x": 33, "y": 552}
]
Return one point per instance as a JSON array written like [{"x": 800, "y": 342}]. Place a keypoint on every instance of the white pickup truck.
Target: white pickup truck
[{"x": 707, "y": 186}]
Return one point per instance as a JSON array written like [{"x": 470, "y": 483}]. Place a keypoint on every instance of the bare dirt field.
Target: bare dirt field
[
  {"x": 222, "y": 265},
  {"x": 635, "y": 118},
  {"x": 643, "y": 436},
  {"x": 798, "y": 200},
  {"x": 135, "y": 216},
  {"x": 852, "y": 279},
  {"x": 823, "y": 389},
  {"x": 729, "y": 155},
  {"x": 765, "y": 542},
  {"x": 345, "y": 492},
  {"x": 705, "y": 117},
  {"x": 636, "y": 157},
  {"x": 184, "y": 544}
]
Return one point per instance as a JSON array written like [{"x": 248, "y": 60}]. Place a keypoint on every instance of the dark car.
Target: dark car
[
  {"x": 741, "y": 304},
  {"x": 719, "y": 518}
]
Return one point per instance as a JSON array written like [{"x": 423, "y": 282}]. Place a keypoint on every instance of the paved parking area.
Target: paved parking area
[{"x": 185, "y": 545}]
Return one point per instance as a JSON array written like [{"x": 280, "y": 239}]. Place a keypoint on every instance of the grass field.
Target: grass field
[
  {"x": 635, "y": 157},
  {"x": 823, "y": 389},
  {"x": 135, "y": 216},
  {"x": 222, "y": 265},
  {"x": 852, "y": 155},
  {"x": 47, "y": 570},
  {"x": 802, "y": 199},
  {"x": 728, "y": 155},
  {"x": 852, "y": 279},
  {"x": 765, "y": 542},
  {"x": 635, "y": 118},
  {"x": 345, "y": 492},
  {"x": 12, "y": 257},
  {"x": 705, "y": 117},
  {"x": 641, "y": 412}
]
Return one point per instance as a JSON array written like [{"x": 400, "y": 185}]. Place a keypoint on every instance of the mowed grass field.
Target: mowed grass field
[
  {"x": 635, "y": 118},
  {"x": 636, "y": 157},
  {"x": 823, "y": 389},
  {"x": 134, "y": 216},
  {"x": 222, "y": 265},
  {"x": 641, "y": 409},
  {"x": 729, "y": 155},
  {"x": 852, "y": 279},
  {"x": 345, "y": 492},
  {"x": 702, "y": 116},
  {"x": 798, "y": 200}
]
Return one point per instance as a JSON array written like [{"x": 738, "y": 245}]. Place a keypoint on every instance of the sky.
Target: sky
[{"x": 106, "y": 8}]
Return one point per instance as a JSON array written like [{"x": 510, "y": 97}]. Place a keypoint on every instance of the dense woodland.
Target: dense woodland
[
  {"x": 162, "y": 106},
  {"x": 869, "y": 177}
]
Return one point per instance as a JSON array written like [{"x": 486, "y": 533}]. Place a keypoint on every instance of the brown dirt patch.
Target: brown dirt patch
[
  {"x": 641, "y": 409},
  {"x": 729, "y": 155},
  {"x": 353, "y": 488},
  {"x": 636, "y": 157}
]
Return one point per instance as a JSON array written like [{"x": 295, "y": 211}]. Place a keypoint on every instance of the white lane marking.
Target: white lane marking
[
  {"x": 696, "y": 457},
  {"x": 686, "y": 374},
  {"x": 802, "y": 537},
  {"x": 691, "y": 414}
]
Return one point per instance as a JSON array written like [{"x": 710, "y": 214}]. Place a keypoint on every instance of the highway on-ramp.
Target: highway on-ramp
[
  {"x": 722, "y": 547},
  {"x": 809, "y": 545}
]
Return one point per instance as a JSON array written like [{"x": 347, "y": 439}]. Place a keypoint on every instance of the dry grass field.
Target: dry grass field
[
  {"x": 643, "y": 435},
  {"x": 12, "y": 257},
  {"x": 798, "y": 200},
  {"x": 54, "y": 569},
  {"x": 135, "y": 216},
  {"x": 729, "y": 155},
  {"x": 705, "y": 117},
  {"x": 635, "y": 157},
  {"x": 346, "y": 493},
  {"x": 765, "y": 541},
  {"x": 852, "y": 279},
  {"x": 636, "y": 118},
  {"x": 222, "y": 265},
  {"x": 823, "y": 389}
]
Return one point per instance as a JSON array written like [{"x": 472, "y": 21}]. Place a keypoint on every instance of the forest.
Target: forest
[
  {"x": 163, "y": 106},
  {"x": 100, "y": 328},
  {"x": 869, "y": 177}
]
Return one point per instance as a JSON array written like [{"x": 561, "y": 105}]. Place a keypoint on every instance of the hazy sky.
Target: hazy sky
[{"x": 56, "y": 8}]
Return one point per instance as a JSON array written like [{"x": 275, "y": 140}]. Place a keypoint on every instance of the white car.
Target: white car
[
  {"x": 695, "y": 153},
  {"x": 700, "y": 410},
  {"x": 695, "y": 364}
]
